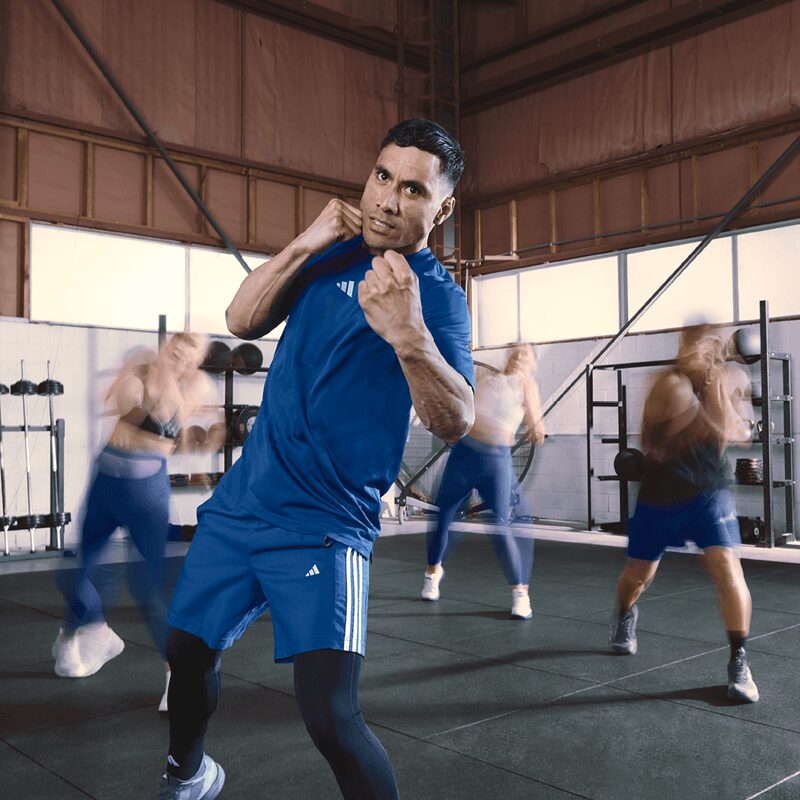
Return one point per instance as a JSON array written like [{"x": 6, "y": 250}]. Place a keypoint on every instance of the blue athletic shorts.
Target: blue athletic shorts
[
  {"x": 708, "y": 520},
  {"x": 238, "y": 566}
]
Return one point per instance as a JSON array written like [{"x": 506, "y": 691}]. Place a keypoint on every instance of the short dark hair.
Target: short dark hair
[{"x": 424, "y": 134}]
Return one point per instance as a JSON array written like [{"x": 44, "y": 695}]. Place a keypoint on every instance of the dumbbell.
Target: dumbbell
[
  {"x": 218, "y": 357},
  {"x": 246, "y": 358}
]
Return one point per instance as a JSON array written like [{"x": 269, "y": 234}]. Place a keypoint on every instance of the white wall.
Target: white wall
[{"x": 85, "y": 360}]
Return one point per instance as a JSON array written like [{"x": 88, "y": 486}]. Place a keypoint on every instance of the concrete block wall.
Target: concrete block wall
[{"x": 85, "y": 360}]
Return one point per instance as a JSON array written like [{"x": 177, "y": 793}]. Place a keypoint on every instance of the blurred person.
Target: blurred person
[
  {"x": 374, "y": 323},
  {"x": 482, "y": 461},
  {"x": 693, "y": 412},
  {"x": 151, "y": 397}
]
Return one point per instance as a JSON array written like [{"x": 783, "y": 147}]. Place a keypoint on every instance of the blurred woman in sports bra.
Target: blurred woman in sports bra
[
  {"x": 152, "y": 397},
  {"x": 482, "y": 461}
]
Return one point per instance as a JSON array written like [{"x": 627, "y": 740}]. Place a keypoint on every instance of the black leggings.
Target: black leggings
[{"x": 326, "y": 686}]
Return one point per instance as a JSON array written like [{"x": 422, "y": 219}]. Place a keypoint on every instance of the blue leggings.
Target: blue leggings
[
  {"x": 140, "y": 504},
  {"x": 475, "y": 465}
]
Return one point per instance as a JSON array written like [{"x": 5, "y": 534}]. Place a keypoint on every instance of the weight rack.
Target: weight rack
[{"x": 56, "y": 544}]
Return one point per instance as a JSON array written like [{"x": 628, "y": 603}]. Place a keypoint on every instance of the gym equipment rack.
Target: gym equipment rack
[
  {"x": 231, "y": 408},
  {"x": 57, "y": 514},
  {"x": 765, "y": 358}
]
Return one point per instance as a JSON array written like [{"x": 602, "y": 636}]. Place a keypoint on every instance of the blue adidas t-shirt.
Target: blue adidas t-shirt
[{"x": 329, "y": 436}]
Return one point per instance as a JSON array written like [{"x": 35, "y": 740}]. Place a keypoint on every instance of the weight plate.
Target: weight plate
[{"x": 23, "y": 387}]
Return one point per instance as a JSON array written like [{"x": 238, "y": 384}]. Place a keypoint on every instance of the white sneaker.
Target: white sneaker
[
  {"x": 68, "y": 658},
  {"x": 206, "y": 785},
  {"x": 97, "y": 645},
  {"x": 430, "y": 586},
  {"x": 520, "y": 604},
  {"x": 162, "y": 706}
]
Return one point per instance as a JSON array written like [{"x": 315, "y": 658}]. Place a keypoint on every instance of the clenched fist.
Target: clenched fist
[
  {"x": 389, "y": 296},
  {"x": 337, "y": 222}
]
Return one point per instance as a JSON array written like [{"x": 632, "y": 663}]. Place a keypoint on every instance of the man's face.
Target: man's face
[{"x": 404, "y": 197}]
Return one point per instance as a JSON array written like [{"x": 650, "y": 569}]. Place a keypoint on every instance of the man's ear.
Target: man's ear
[{"x": 445, "y": 211}]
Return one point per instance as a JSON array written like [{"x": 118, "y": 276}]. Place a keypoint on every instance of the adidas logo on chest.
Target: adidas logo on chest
[{"x": 348, "y": 287}]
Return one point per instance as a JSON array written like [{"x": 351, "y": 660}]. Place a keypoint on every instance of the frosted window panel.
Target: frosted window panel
[
  {"x": 497, "y": 310},
  {"x": 704, "y": 291},
  {"x": 769, "y": 264},
  {"x": 215, "y": 277},
  {"x": 570, "y": 301},
  {"x": 90, "y": 278}
]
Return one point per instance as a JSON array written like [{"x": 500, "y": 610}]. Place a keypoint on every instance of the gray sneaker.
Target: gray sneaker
[
  {"x": 623, "y": 631},
  {"x": 741, "y": 685},
  {"x": 206, "y": 785}
]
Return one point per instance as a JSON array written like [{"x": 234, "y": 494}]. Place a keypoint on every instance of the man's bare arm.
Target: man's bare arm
[
  {"x": 442, "y": 397},
  {"x": 264, "y": 298},
  {"x": 389, "y": 296}
]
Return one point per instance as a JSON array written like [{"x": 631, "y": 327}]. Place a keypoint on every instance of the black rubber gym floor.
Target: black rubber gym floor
[{"x": 469, "y": 704}]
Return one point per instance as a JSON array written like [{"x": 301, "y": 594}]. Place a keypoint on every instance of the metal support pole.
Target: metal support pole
[
  {"x": 60, "y": 438},
  {"x": 788, "y": 465},
  {"x": 228, "y": 449},
  {"x": 162, "y": 330},
  {"x": 766, "y": 422},
  {"x": 622, "y": 424},
  {"x": 148, "y": 131},
  {"x": 589, "y": 432}
]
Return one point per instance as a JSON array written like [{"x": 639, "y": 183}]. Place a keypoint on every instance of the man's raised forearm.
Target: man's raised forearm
[
  {"x": 442, "y": 397},
  {"x": 257, "y": 307}
]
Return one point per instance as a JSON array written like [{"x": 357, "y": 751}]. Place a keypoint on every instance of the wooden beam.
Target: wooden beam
[
  {"x": 182, "y": 155},
  {"x": 753, "y": 151},
  {"x": 88, "y": 179},
  {"x": 25, "y": 283},
  {"x": 478, "y": 246},
  {"x": 553, "y": 221},
  {"x": 23, "y": 155},
  {"x": 644, "y": 187},
  {"x": 512, "y": 210},
  {"x": 10, "y": 211},
  {"x": 650, "y": 238},
  {"x": 680, "y": 21},
  {"x": 598, "y": 211},
  {"x": 371, "y": 37},
  {"x": 203, "y": 192},
  {"x": 299, "y": 210},
  {"x": 251, "y": 207},
  {"x": 601, "y": 11},
  {"x": 789, "y": 123}
]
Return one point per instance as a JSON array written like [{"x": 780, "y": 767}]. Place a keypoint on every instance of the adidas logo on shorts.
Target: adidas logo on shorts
[{"x": 313, "y": 571}]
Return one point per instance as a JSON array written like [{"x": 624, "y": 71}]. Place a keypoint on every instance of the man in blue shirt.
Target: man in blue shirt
[{"x": 375, "y": 324}]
